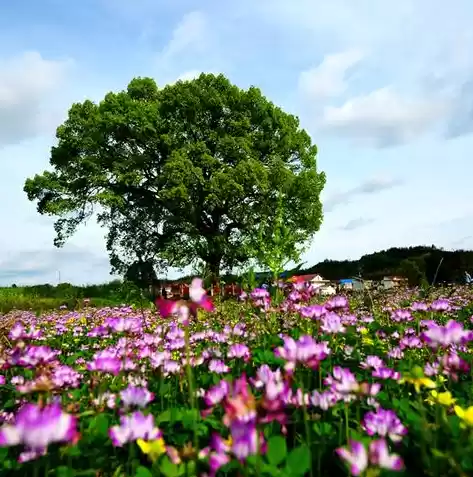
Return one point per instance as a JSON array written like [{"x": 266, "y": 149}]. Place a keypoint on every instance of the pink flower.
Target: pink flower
[{"x": 198, "y": 299}]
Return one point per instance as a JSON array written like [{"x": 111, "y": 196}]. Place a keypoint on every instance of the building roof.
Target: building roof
[{"x": 303, "y": 278}]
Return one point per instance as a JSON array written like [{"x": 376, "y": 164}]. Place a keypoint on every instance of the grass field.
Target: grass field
[
  {"x": 44, "y": 298},
  {"x": 268, "y": 386}
]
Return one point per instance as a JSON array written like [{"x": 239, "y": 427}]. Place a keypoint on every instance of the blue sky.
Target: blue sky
[{"x": 384, "y": 88}]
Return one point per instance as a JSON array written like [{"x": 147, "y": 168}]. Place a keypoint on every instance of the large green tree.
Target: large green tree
[{"x": 180, "y": 174}]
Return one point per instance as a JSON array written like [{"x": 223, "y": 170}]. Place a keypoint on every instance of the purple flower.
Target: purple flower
[
  {"x": 239, "y": 351},
  {"x": 443, "y": 336},
  {"x": 218, "y": 366},
  {"x": 217, "y": 393},
  {"x": 34, "y": 356},
  {"x": 106, "y": 364},
  {"x": 136, "y": 396},
  {"x": 336, "y": 303},
  {"x": 410, "y": 342},
  {"x": 244, "y": 438},
  {"x": 305, "y": 351},
  {"x": 332, "y": 323},
  {"x": 324, "y": 400},
  {"x": 380, "y": 456},
  {"x": 342, "y": 381},
  {"x": 124, "y": 325},
  {"x": 30, "y": 454},
  {"x": 66, "y": 377},
  {"x": 396, "y": 353},
  {"x": 313, "y": 311},
  {"x": 132, "y": 427},
  {"x": 106, "y": 399},
  {"x": 199, "y": 296},
  {"x": 355, "y": 456},
  {"x": 37, "y": 427},
  {"x": 386, "y": 373},
  {"x": 384, "y": 423},
  {"x": 18, "y": 332},
  {"x": 359, "y": 458},
  {"x": 264, "y": 375},
  {"x": 217, "y": 453},
  {"x": 440, "y": 305},
  {"x": 374, "y": 362},
  {"x": 401, "y": 315},
  {"x": 416, "y": 306}
]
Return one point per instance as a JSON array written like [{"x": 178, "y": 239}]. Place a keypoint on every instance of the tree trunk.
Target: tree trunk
[{"x": 214, "y": 269}]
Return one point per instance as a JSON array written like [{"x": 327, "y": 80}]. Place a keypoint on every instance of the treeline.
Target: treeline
[
  {"x": 417, "y": 264},
  {"x": 115, "y": 291}
]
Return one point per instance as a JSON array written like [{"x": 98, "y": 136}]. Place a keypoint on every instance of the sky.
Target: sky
[{"x": 384, "y": 88}]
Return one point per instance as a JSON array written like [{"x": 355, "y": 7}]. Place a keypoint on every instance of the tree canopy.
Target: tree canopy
[{"x": 180, "y": 174}]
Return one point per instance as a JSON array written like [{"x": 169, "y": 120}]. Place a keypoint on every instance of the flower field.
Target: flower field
[{"x": 269, "y": 385}]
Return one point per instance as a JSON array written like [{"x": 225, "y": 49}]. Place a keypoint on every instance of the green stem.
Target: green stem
[
  {"x": 347, "y": 424},
  {"x": 190, "y": 382}
]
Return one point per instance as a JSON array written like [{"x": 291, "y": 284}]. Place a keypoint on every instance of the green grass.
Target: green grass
[{"x": 26, "y": 298}]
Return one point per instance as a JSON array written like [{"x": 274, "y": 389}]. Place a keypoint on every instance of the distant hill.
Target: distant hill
[
  {"x": 418, "y": 264},
  {"x": 415, "y": 263}
]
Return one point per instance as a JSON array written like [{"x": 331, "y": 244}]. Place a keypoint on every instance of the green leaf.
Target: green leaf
[
  {"x": 72, "y": 451},
  {"x": 168, "y": 468},
  {"x": 439, "y": 454},
  {"x": 189, "y": 417},
  {"x": 3, "y": 453},
  {"x": 143, "y": 472},
  {"x": 277, "y": 450},
  {"x": 99, "y": 425},
  {"x": 64, "y": 471},
  {"x": 170, "y": 415},
  {"x": 298, "y": 460},
  {"x": 323, "y": 428}
]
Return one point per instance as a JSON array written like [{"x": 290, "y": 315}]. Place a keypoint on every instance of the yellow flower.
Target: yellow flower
[
  {"x": 419, "y": 382},
  {"x": 466, "y": 415},
  {"x": 444, "y": 399},
  {"x": 153, "y": 449}
]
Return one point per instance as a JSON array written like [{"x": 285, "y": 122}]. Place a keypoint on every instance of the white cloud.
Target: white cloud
[
  {"x": 192, "y": 74},
  {"x": 189, "y": 35},
  {"x": 357, "y": 223},
  {"x": 367, "y": 187},
  {"x": 330, "y": 77},
  {"x": 26, "y": 82},
  {"x": 384, "y": 117},
  {"x": 73, "y": 264}
]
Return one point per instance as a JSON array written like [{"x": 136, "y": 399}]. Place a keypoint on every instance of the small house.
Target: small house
[
  {"x": 327, "y": 290},
  {"x": 390, "y": 282},
  {"x": 346, "y": 283},
  {"x": 358, "y": 284}
]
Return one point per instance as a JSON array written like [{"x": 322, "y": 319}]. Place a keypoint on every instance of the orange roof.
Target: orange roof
[{"x": 303, "y": 278}]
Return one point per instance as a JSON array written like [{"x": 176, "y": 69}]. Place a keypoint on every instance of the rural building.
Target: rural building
[
  {"x": 303, "y": 278},
  {"x": 314, "y": 279},
  {"x": 327, "y": 289},
  {"x": 358, "y": 284},
  {"x": 393, "y": 282},
  {"x": 346, "y": 283}
]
